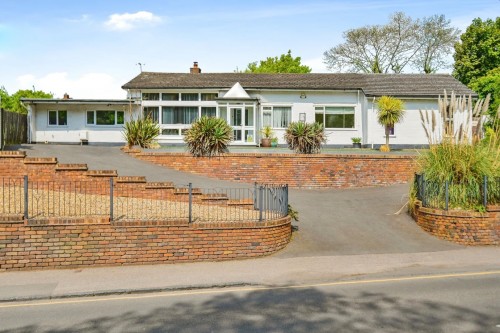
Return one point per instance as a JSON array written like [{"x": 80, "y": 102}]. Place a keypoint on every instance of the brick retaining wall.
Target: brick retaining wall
[
  {"x": 80, "y": 242},
  {"x": 462, "y": 227},
  {"x": 86, "y": 242},
  {"x": 296, "y": 170}
]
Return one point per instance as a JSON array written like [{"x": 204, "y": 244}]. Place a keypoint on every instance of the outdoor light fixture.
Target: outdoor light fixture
[{"x": 303, "y": 95}]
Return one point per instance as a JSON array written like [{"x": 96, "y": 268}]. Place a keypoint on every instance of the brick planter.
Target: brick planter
[{"x": 462, "y": 227}]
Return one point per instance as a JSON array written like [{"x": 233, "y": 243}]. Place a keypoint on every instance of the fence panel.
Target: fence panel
[
  {"x": 14, "y": 127},
  {"x": 12, "y": 196},
  {"x": 448, "y": 195},
  {"x": 130, "y": 202},
  {"x": 68, "y": 199},
  {"x": 77, "y": 199}
]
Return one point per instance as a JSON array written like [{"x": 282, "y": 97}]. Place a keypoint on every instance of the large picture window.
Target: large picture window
[
  {"x": 105, "y": 117},
  {"x": 185, "y": 115},
  {"x": 58, "y": 118},
  {"x": 335, "y": 116},
  {"x": 152, "y": 112},
  {"x": 277, "y": 116},
  {"x": 208, "y": 111}
]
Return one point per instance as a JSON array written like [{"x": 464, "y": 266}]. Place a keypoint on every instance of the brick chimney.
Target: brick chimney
[
  {"x": 66, "y": 96},
  {"x": 195, "y": 69}
]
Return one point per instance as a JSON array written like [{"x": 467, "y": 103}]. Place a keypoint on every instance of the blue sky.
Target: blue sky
[{"x": 90, "y": 48}]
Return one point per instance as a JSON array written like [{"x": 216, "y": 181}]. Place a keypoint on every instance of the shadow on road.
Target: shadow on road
[{"x": 307, "y": 310}]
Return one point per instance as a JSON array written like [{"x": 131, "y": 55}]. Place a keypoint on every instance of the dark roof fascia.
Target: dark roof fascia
[
  {"x": 415, "y": 96},
  {"x": 78, "y": 101}
]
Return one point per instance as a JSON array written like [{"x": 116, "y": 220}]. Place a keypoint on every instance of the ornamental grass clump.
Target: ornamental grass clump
[
  {"x": 305, "y": 138},
  {"x": 208, "y": 136},
  {"x": 459, "y": 155}
]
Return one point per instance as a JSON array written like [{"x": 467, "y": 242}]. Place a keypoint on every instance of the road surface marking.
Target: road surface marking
[{"x": 228, "y": 290}]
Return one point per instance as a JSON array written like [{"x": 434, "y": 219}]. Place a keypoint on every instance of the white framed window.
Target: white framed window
[
  {"x": 208, "y": 96},
  {"x": 58, "y": 118},
  {"x": 152, "y": 112},
  {"x": 342, "y": 117},
  {"x": 189, "y": 97},
  {"x": 105, "y": 117},
  {"x": 276, "y": 116},
  {"x": 169, "y": 96},
  {"x": 150, "y": 96},
  {"x": 208, "y": 111},
  {"x": 185, "y": 115}
]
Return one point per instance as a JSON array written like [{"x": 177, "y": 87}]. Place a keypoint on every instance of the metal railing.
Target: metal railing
[
  {"x": 450, "y": 195},
  {"x": 105, "y": 198}
]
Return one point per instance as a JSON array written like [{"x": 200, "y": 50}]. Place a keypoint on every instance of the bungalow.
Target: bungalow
[{"x": 345, "y": 103}]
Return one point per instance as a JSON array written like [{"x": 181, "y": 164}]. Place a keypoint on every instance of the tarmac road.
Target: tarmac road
[{"x": 454, "y": 303}]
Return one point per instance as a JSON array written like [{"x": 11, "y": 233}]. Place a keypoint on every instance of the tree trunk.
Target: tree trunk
[{"x": 387, "y": 132}]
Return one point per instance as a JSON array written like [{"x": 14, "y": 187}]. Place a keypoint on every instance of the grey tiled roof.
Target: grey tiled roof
[{"x": 372, "y": 84}]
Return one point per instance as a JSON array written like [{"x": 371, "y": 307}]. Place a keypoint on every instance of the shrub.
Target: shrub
[
  {"x": 141, "y": 131},
  {"x": 305, "y": 138},
  {"x": 459, "y": 159},
  {"x": 208, "y": 136}
]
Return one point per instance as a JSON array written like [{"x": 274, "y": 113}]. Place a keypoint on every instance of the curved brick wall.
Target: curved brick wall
[
  {"x": 78, "y": 243},
  {"x": 462, "y": 227},
  {"x": 296, "y": 170}
]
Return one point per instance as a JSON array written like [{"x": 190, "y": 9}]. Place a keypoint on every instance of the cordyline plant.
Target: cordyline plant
[
  {"x": 141, "y": 131},
  {"x": 208, "y": 136},
  {"x": 390, "y": 112},
  {"x": 305, "y": 138}
]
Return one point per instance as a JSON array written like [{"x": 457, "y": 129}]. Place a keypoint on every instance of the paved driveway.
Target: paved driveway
[{"x": 332, "y": 222}]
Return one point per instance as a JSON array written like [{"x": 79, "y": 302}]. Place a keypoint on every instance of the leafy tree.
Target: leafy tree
[
  {"x": 436, "y": 40},
  {"x": 390, "y": 112},
  {"x": 489, "y": 84},
  {"x": 391, "y": 47},
  {"x": 284, "y": 64},
  {"x": 17, "y": 106},
  {"x": 13, "y": 102},
  {"x": 478, "y": 51},
  {"x": 5, "y": 99}
]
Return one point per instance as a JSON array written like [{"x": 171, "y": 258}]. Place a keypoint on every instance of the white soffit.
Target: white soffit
[{"x": 236, "y": 91}]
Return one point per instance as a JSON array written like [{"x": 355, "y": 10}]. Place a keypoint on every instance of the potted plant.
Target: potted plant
[
  {"x": 274, "y": 142},
  {"x": 356, "y": 142},
  {"x": 267, "y": 133}
]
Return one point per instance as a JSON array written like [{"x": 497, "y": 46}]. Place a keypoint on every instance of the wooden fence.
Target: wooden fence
[{"x": 13, "y": 128}]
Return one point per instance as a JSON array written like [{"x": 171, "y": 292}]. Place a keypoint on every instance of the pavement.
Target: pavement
[
  {"x": 341, "y": 234},
  {"x": 269, "y": 271}
]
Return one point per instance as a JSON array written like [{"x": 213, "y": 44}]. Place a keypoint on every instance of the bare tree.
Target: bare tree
[
  {"x": 436, "y": 40},
  {"x": 391, "y": 47}
]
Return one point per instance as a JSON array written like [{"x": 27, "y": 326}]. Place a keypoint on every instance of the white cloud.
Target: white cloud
[
  {"x": 316, "y": 65},
  {"x": 90, "y": 85},
  {"x": 129, "y": 21},
  {"x": 82, "y": 19}
]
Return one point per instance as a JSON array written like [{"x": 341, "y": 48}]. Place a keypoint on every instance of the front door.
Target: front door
[{"x": 242, "y": 121}]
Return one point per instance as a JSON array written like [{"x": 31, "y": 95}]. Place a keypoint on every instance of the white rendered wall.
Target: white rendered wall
[
  {"x": 407, "y": 132},
  {"x": 307, "y": 105},
  {"x": 77, "y": 127}
]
